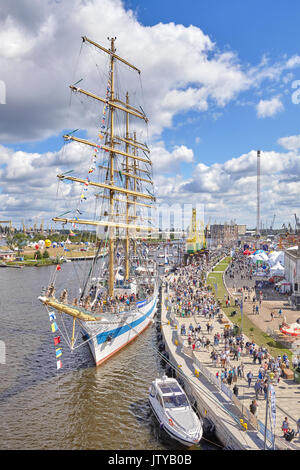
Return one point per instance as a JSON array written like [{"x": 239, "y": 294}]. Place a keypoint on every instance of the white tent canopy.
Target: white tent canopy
[
  {"x": 277, "y": 269},
  {"x": 276, "y": 257}
]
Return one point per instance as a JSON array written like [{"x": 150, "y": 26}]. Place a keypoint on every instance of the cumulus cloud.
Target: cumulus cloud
[
  {"x": 39, "y": 57},
  {"x": 268, "y": 108},
  {"x": 182, "y": 70},
  {"x": 30, "y": 188},
  {"x": 166, "y": 161},
  {"x": 230, "y": 187},
  {"x": 291, "y": 143}
]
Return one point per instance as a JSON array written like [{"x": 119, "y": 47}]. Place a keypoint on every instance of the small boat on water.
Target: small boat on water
[{"x": 173, "y": 411}]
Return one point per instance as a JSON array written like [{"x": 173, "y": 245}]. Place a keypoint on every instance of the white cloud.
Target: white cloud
[
  {"x": 291, "y": 143},
  {"x": 39, "y": 45},
  {"x": 228, "y": 190},
  {"x": 182, "y": 70},
  {"x": 268, "y": 108},
  {"x": 165, "y": 161},
  {"x": 29, "y": 185}
]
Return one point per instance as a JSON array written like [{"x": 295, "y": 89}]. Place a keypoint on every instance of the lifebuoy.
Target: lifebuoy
[{"x": 171, "y": 422}]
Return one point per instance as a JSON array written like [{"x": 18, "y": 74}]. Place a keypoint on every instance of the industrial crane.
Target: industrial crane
[
  {"x": 272, "y": 223},
  {"x": 7, "y": 222}
]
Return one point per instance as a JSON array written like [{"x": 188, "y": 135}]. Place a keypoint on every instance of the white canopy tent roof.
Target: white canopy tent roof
[{"x": 277, "y": 269}]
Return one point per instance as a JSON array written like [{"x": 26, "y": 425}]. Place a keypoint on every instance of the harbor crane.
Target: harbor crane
[
  {"x": 272, "y": 223},
  {"x": 7, "y": 222}
]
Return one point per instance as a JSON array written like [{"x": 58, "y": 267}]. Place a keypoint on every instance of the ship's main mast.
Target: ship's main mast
[
  {"x": 132, "y": 195},
  {"x": 111, "y": 192}
]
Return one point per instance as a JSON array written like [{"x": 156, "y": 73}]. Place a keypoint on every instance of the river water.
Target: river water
[{"x": 79, "y": 406}]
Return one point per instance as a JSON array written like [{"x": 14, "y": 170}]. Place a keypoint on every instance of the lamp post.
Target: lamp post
[
  {"x": 241, "y": 307},
  {"x": 266, "y": 417}
]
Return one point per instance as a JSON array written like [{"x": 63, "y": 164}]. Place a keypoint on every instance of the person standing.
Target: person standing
[{"x": 285, "y": 426}]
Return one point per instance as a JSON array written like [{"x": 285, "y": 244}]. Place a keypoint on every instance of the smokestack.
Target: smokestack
[{"x": 258, "y": 195}]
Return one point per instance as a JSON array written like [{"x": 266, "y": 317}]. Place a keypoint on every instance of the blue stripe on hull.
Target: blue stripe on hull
[{"x": 102, "y": 337}]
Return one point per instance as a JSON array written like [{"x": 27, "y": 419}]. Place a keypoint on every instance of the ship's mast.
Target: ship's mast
[
  {"x": 127, "y": 187},
  {"x": 131, "y": 197},
  {"x": 134, "y": 183}
]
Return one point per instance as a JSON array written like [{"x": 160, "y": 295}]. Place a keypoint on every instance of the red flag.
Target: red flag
[
  {"x": 58, "y": 268},
  {"x": 56, "y": 340}
]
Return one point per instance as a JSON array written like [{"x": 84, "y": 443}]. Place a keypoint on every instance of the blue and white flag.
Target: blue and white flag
[{"x": 52, "y": 316}]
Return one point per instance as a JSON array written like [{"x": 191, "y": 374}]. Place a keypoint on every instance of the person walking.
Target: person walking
[
  {"x": 253, "y": 407},
  {"x": 257, "y": 387},
  {"x": 249, "y": 378},
  {"x": 265, "y": 389}
]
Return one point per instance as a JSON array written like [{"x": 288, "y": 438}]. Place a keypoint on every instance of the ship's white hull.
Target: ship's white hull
[{"x": 107, "y": 338}]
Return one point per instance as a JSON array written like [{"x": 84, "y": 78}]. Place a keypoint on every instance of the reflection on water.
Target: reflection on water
[{"x": 79, "y": 406}]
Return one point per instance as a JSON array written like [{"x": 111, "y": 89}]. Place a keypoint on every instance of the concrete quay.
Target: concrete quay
[{"x": 215, "y": 401}]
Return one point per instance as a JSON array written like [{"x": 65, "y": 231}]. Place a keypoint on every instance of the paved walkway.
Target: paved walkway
[
  {"x": 287, "y": 391},
  {"x": 232, "y": 434}
]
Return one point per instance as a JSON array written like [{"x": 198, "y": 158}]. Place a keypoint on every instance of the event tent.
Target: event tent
[
  {"x": 291, "y": 330},
  {"x": 277, "y": 270}
]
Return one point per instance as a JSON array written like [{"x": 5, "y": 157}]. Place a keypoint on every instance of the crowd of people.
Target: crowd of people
[{"x": 228, "y": 349}]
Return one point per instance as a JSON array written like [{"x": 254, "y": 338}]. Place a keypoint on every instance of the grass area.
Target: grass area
[
  {"x": 249, "y": 329},
  {"x": 33, "y": 262}
]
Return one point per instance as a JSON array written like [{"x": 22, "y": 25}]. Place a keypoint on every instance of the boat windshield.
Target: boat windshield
[
  {"x": 175, "y": 401},
  {"x": 169, "y": 388}
]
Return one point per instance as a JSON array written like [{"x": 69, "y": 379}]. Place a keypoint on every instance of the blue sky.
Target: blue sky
[
  {"x": 251, "y": 29},
  {"x": 228, "y": 93}
]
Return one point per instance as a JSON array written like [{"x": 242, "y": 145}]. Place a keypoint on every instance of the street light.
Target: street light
[{"x": 241, "y": 307}]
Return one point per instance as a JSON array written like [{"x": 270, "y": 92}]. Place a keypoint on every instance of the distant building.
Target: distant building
[
  {"x": 292, "y": 272},
  {"x": 224, "y": 233},
  {"x": 242, "y": 229},
  {"x": 7, "y": 255}
]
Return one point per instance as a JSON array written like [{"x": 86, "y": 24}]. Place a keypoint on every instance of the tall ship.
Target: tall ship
[{"x": 115, "y": 299}]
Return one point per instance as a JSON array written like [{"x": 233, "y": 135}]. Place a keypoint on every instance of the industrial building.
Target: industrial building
[{"x": 292, "y": 273}]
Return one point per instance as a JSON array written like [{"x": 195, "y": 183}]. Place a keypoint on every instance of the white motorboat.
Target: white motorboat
[{"x": 174, "y": 412}]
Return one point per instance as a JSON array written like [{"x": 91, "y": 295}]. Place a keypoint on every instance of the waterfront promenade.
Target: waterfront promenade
[{"x": 230, "y": 409}]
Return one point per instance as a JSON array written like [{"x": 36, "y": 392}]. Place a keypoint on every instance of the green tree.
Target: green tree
[
  {"x": 46, "y": 254},
  {"x": 18, "y": 240}
]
